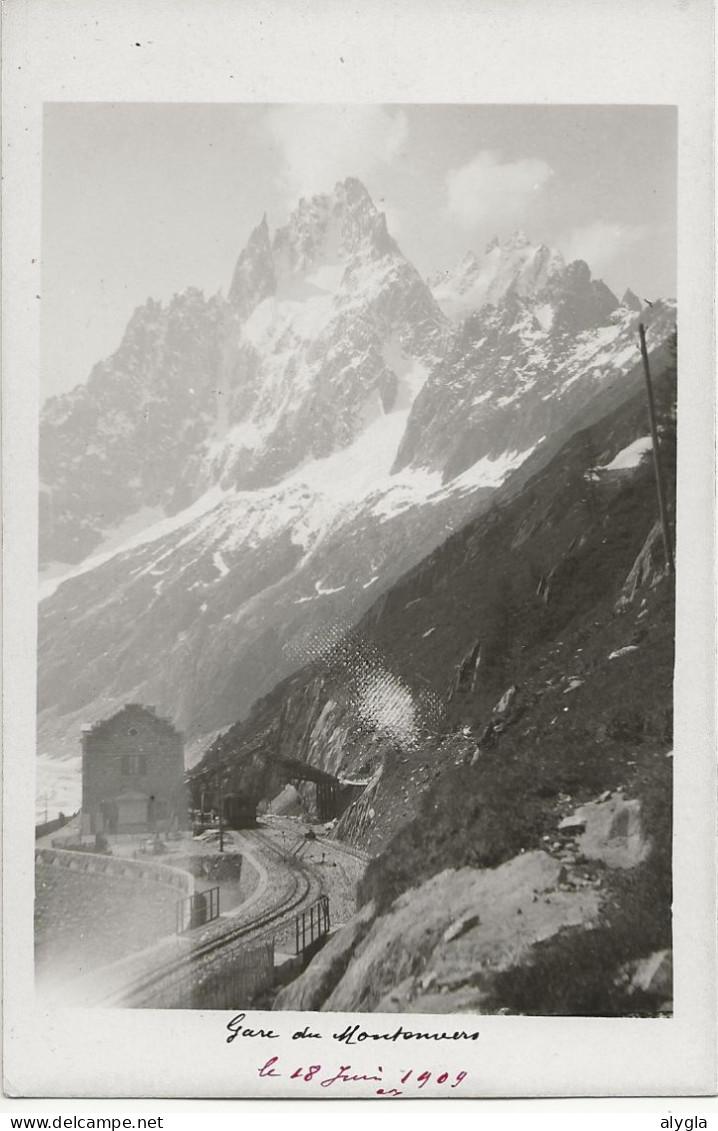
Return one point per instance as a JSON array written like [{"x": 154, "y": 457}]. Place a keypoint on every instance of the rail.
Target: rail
[{"x": 158, "y": 983}]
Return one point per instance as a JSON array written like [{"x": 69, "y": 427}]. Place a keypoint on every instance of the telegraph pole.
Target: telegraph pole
[
  {"x": 221, "y": 806},
  {"x": 656, "y": 458}
]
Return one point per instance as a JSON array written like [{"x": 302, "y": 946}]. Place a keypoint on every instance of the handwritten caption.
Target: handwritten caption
[{"x": 398, "y": 1082}]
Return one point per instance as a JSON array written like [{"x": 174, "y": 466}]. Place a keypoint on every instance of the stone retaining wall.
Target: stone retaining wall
[{"x": 141, "y": 871}]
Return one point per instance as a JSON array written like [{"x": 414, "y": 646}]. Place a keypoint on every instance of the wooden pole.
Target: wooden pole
[
  {"x": 656, "y": 456},
  {"x": 221, "y": 807}
]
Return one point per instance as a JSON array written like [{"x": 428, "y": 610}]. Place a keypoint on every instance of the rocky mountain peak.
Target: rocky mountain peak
[
  {"x": 353, "y": 191},
  {"x": 517, "y": 241},
  {"x": 581, "y": 302},
  {"x": 516, "y": 266},
  {"x": 229, "y": 467},
  {"x": 631, "y": 301},
  {"x": 327, "y": 230},
  {"x": 330, "y": 229},
  {"x": 254, "y": 276}
]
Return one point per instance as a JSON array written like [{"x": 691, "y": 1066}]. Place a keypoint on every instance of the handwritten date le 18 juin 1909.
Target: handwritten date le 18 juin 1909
[{"x": 410, "y": 1078}]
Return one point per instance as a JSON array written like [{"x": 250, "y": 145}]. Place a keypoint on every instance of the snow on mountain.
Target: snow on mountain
[
  {"x": 630, "y": 456},
  {"x": 304, "y": 359},
  {"x": 516, "y": 371},
  {"x": 223, "y": 600},
  {"x": 120, "y": 442},
  {"x": 240, "y": 391},
  {"x": 245, "y": 470},
  {"x": 518, "y": 266}
]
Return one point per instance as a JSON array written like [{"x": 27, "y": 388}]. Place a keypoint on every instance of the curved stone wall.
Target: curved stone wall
[{"x": 92, "y": 910}]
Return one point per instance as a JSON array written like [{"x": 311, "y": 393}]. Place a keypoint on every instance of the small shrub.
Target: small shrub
[
  {"x": 464, "y": 821},
  {"x": 627, "y": 724}
]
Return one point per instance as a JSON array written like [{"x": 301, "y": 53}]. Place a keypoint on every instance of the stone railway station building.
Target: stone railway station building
[{"x": 133, "y": 774}]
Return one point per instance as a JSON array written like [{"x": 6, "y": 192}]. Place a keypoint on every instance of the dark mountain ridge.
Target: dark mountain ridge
[
  {"x": 568, "y": 531},
  {"x": 544, "y": 631}
]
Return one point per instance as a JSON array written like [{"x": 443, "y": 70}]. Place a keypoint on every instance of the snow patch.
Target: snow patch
[
  {"x": 220, "y": 564},
  {"x": 327, "y": 278},
  {"x": 412, "y": 374},
  {"x": 544, "y": 315},
  {"x": 482, "y": 398},
  {"x": 623, "y": 651},
  {"x": 488, "y": 472},
  {"x": 135, "y": 530},
  {"x": 321, "y": 592},
  {"x": 630, "y": 456}
]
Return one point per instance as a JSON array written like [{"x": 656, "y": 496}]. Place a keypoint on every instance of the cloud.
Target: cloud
[
  {"x": 320, "y": 145},
  {"x": 487, "y": 190},
  {"x": 600, "y": 244}
]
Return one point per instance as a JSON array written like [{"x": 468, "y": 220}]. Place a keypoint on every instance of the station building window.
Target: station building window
[{"x": 133, "y": 765}]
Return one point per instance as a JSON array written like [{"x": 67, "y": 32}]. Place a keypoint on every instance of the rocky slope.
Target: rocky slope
[
  {"x": 516, "y": 371},
  {"x": 318, "y": 336},
  {"x": 506, "y": 939},
  {"x": 502, "y": 571},
  {"x": 118, "y": 444},
  {"x": 517, "y": 266},
  {"x": 248, "y": 473}
]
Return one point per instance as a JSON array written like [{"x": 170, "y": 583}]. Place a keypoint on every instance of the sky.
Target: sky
[{"x": 146, "y": 199}]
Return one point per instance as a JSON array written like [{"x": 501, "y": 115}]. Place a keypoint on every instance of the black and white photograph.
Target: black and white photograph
[
  {"x": 356, "y": 623},
  {"x": 356, "y": 667}
]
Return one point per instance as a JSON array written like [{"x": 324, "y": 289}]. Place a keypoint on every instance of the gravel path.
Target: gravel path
[{"x": 337, "y": 870}]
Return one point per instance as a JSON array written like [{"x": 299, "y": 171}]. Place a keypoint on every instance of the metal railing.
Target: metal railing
[
  {"x": 312, "y": 924},
  {"x": 196, "y": 910}
]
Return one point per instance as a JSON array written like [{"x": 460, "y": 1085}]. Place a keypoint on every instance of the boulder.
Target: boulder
[
  {"x": 654, "y": 974},
  {"x": 506, "y": 701},
  {"x": 647, "y": 570},
  {"x": 574, "y": 823},
  {"x": 573, "y": 685},
  {"x": 612, "y": 832}
]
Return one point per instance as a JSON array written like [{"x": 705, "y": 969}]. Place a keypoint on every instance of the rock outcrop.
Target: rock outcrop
[
  {"x": 611, "y": 831},
  {"x": 647, "y": 570},
  {"x": 439, "y": 946},
  {"x": 449, "y": 944}
]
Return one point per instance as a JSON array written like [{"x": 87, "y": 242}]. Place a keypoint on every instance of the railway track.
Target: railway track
[{"x": 156, "y": 984}]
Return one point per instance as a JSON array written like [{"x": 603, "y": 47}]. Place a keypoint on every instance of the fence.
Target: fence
[
  {"x": 236, "y": 982},
  {"x": 312, "y": 924},
  {"x": 197, "y": 909}
]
